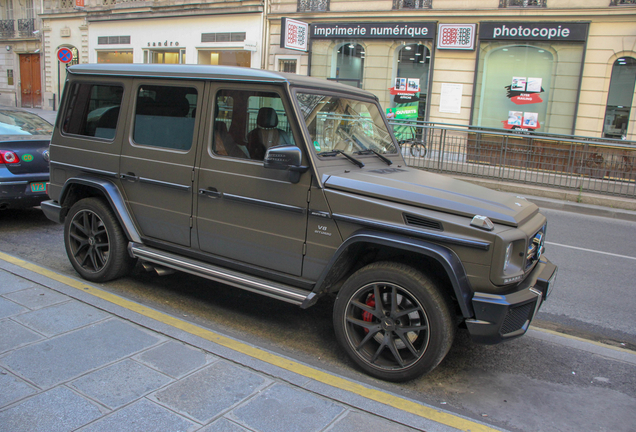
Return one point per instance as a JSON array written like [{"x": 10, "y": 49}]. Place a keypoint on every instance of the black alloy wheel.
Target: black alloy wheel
[
  {"x": 95, "y": 242},
  {"x": 393, "y": 321}
]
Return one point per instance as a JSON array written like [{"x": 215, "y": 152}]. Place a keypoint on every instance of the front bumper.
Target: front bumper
[
  {"x": 52, "y": 210},
  {"x": 502, "y": 317}
]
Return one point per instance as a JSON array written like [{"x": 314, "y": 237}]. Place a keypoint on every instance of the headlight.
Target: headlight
[{"x": 508, "y": 256}]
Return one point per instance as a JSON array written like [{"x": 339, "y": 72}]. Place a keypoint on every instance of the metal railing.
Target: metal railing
[
  {"x": 522, "y": 3},
  {"x": 603, "y": 166},
  {"x": 412, "y": 4}
]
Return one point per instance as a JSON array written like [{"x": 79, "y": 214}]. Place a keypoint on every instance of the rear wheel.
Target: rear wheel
[
  {"x": 95, "y": 243},
  {"x": 393, "y": 321}
]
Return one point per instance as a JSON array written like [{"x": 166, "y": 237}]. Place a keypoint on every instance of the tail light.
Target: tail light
[{"x": 8, "y": 157}]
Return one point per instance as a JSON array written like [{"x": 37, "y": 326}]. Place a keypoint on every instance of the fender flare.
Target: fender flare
[
  {"x": 443, "y": 255},
  {"x": 114, "y": 197}
]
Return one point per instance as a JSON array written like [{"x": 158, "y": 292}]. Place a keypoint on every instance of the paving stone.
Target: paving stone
[
  {"x": 13, "y": 389},
  {"x": 174, "y": 358},
  {"x": 356, "y": 421},
  {"x": 282, "y": 408},
  {"x": 142, "y": 416},
  {"x": 10, "y": 282},
  {"x": 13, "y": 335},
  {"x": 121, "y": 383},
  {"x": 37, "y": 297},
  {"x": 59, "y": 359},
  {"x": 57, "y": 410},
  {"x": 61, "y": 318},
  {"x": 223, "y": 425},
  {"x": 9, "y": 308},
  {"x": 210, "y": 391}
]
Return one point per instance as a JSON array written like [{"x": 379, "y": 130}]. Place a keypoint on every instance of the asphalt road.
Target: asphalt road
[{"x": 527, "y": 384}]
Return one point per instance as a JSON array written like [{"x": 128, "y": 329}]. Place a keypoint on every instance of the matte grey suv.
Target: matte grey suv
[{"x": 294, "y": 188}]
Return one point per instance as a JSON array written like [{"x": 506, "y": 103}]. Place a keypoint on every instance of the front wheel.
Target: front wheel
[
  {"x": 95, "y": 243},
  {"x": 393, "y": 321}
]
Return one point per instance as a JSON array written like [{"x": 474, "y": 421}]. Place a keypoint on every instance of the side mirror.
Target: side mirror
[{"x": 287, "y": 158}]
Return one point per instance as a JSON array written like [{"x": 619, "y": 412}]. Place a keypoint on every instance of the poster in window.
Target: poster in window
[
  {"x": 530, "y": 119},
  {"x": 518, "y": 84},
  {"x": 451, "y": 98},
  {"x": 533, "y": 85},
  {"x": 413, "y": 84},
  {"x": 515, "y": 118}
]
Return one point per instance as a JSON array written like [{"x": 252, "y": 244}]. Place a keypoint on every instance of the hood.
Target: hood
[{"x": 433, "y": 191}]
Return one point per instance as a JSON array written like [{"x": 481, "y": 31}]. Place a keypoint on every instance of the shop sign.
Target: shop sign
[
  {"x": 533, "y": 31},
  {"x": 456, "y": 36},
  {"x": 294, "y": 34},
  {"x": 374, "y": 30},
  {"x": 408, "y": 112}
]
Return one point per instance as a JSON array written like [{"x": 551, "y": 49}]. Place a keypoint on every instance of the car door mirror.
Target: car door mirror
[{"x": 287, "y": 158}]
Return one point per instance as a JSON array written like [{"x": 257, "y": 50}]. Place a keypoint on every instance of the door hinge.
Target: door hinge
[
  {"x": 191, "y": 222},
  {"x": 304, "y": 249},
  {"x": 309, "y": 195},
  {"x": 192, "y": 175}
]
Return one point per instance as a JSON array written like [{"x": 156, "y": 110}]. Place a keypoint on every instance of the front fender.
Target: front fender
[
  {"x": 114, "y": 197},
  {"x": 444, "y": 256}
]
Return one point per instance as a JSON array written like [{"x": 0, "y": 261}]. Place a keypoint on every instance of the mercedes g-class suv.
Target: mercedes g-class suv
[{"x": 294, "y": 188}]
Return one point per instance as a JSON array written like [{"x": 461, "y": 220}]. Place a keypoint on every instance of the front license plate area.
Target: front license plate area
[{"x": 38, "y": 187}]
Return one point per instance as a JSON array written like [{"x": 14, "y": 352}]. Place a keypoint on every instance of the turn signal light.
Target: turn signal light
[{"x": 8, "y": 157}]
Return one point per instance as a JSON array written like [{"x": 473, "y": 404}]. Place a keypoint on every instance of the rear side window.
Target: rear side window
[
  {"x": 164, "y": 116},
  {"x": 93, "y": 110}
]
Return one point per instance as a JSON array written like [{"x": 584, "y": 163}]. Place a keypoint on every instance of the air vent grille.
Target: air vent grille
[{"x": 421, "y": 222}]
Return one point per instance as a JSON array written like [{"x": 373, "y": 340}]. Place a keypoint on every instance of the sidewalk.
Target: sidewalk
[{"x": 75, "y": 357}]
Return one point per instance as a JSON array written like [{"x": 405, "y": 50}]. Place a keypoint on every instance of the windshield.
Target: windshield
[
  {"x": 344, "y": 125},
  {"x": 23, "y": 123}
]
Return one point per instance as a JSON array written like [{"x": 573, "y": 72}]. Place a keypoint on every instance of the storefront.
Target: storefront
[
  {"x": 391, "y": 59},
  {"x": 528, "y": 75}
]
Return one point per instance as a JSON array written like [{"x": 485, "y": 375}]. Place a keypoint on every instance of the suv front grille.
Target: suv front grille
[{"x": 535, "y": 248}]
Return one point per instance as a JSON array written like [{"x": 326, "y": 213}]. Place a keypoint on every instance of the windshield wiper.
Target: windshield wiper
[
  {"x": 371, "y": 151},
  {"x": 337, "y": 152}
]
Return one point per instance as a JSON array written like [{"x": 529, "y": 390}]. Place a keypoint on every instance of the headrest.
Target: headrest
[
  {"x": 267, "y": 118},
  {"x": 220, "y": 127}
]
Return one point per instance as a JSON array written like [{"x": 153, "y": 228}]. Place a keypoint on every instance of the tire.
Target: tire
[
  {"x": 95, "y": 243},
  {"x": 418, "y": 150},
  {"x": 405, "y": 335}
]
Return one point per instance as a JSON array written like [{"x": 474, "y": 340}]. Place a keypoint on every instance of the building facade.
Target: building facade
[
  {"x": 555, "y": 66},
  {"x": 121, "y": 31},
  {"x": 20, "y": 42}
]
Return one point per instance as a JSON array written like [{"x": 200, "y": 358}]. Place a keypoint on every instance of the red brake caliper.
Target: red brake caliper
[{"x": 368, "y": 316}]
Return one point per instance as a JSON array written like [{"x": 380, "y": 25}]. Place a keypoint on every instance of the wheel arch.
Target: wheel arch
[
  {"x": 80, "y": 187},
  {"x": 404, "y": 249}
]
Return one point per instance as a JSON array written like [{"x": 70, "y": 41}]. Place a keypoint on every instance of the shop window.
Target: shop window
[
  {"x": 349, "y": 65},
  {"x": 313, "y": 5},
  {"x": 165, "y": 56},
  {"x": 410, "y": 90},
  {"x": 527, "y": 87},
  {"x": 523, "y": 3},
  {"x": 225, "y": 57},
  {"x": 619, "y": 100},
  {"x": 117, "y": 56},
  {"x": 412, "y": 4}
]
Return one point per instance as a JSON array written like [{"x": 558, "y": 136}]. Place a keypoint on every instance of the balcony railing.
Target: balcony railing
[
  {"x": 313, "y": 5},
  {"x": 523, "y": 3},
  {"x": 622, "y": 2},
  {"x": 26, "y": 27},
  {"x": 7, "y": 28},
  {"x": 412, "y": 4}
]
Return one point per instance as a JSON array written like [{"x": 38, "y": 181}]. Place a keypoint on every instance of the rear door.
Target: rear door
[
  {"x": 157, "y": 162},
  {"x": 245, "y": 212}
]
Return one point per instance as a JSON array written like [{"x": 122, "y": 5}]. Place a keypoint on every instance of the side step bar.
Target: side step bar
[{"x": 255, "y": 284}]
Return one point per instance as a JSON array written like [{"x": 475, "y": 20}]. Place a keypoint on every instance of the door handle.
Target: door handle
[
  {"x": 210, "y": 193},
  {"x": 131, "y": 177}
]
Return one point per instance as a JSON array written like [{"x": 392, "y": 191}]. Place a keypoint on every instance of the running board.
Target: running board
[{"x": 255, "y": 284}]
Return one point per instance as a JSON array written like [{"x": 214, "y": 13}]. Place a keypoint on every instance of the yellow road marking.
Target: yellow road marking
[
  {"x": 257, "y": 353},
  {"x": 576, "y": 338}
]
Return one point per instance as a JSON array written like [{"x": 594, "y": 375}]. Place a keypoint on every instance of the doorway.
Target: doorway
[{"x": 30, "y": 83}]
